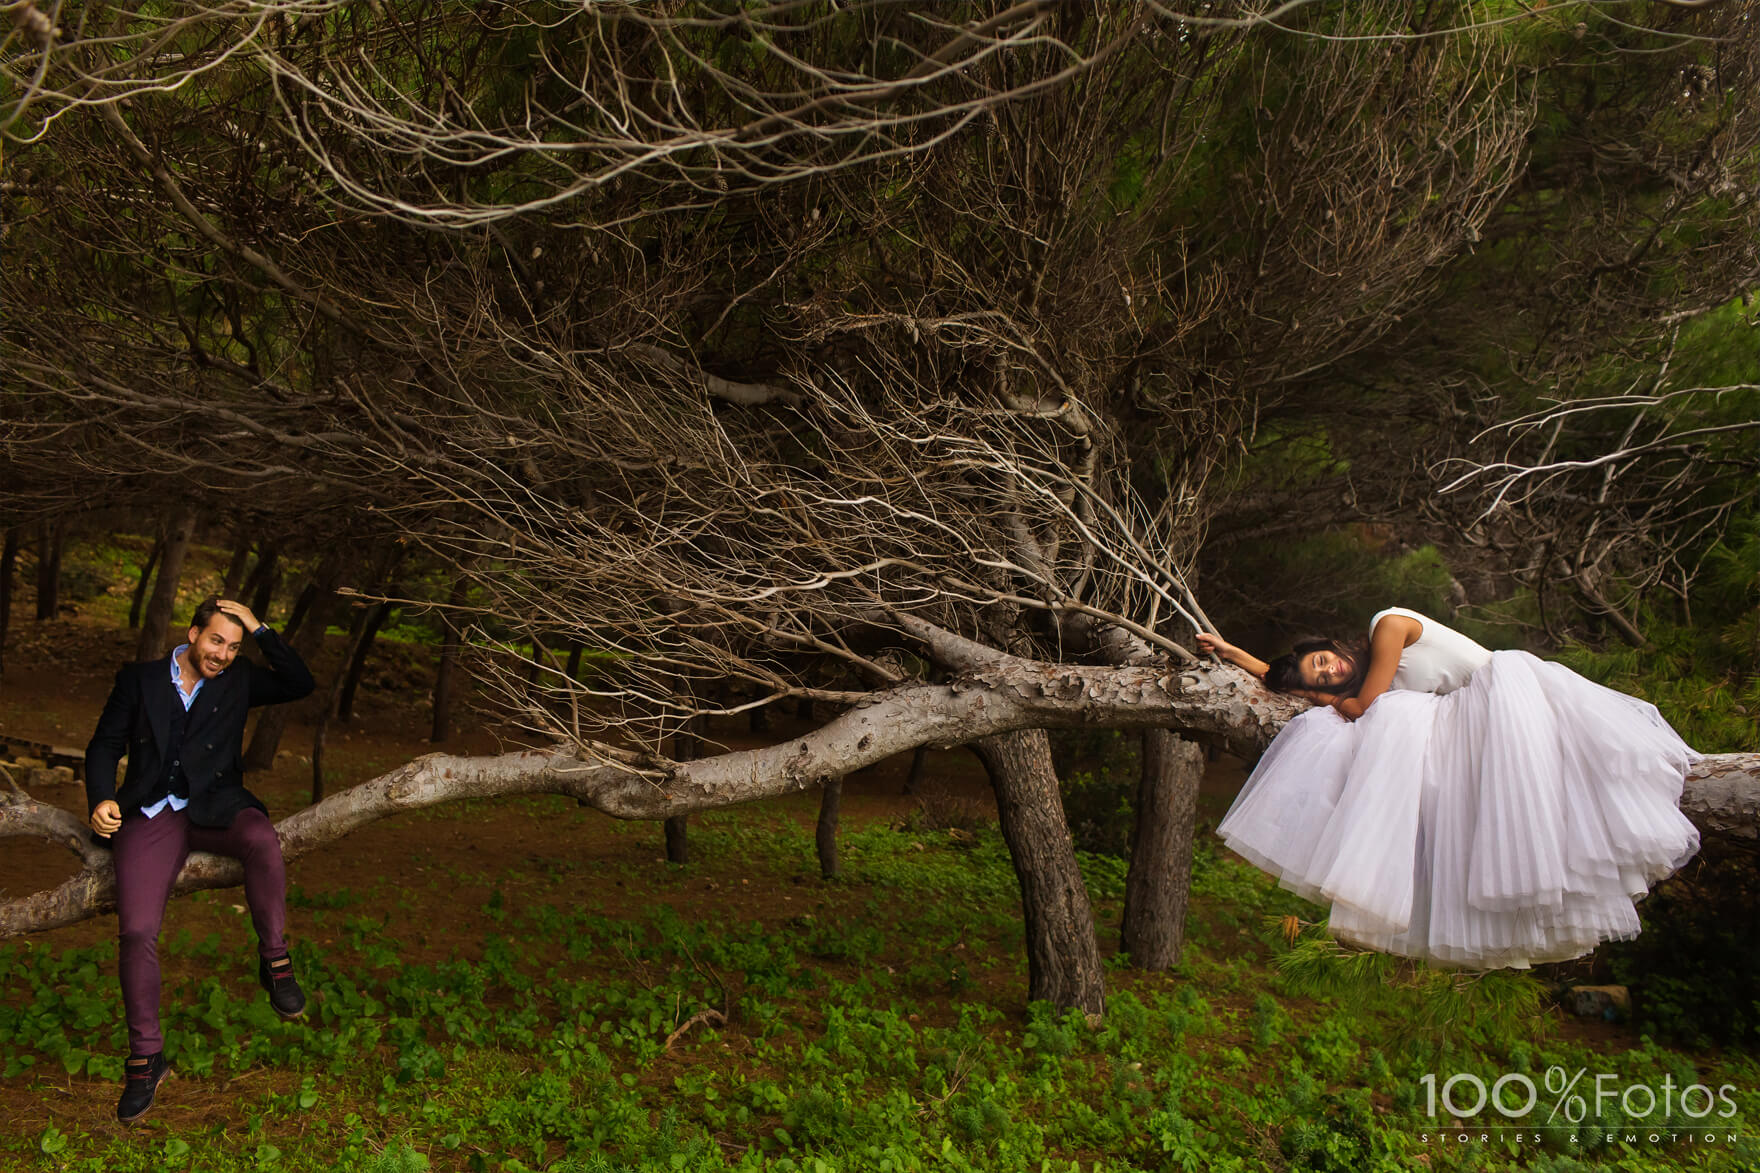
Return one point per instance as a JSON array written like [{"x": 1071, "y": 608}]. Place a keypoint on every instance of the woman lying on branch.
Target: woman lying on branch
[{"x": 1474, "y": 808}]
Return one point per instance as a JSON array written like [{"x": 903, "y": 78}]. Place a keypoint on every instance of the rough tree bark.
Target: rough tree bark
[
  {"x": 1159, "y": 884},
  {"x": 1063, "y": 955},
  {"x": 919, "y": 768},
  {"x": 157, "y": 617}
]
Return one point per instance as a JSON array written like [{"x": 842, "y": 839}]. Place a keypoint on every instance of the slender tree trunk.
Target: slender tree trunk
[
  {"x": 447, "y": 668},
  {"x": 8, "y": 569},
  {"x": 160, "y": 604},
  {"x": 1063, "y": 955},
  {"x": 687, "y": 746},
  {"x": 575, "y": 648},
  {"x": 241, "y": 556},
  {"x": 1159, "y": 884},
  {"x": 51, "y": 535},
  {"x": 319, "y": 736},
  {"x": 825, "y": 832},
  {"x": 308, "y": 641},
  {"x": 146, "y": 577},
  {"x": 341, "y": 695},
  {"x": 263, "y": 580},
  {"x": 357, "y": 663},
  {"x": 919, "y": 767},
  {"x": 678, "y": 843},
  {"x": 301, "y": 606}
]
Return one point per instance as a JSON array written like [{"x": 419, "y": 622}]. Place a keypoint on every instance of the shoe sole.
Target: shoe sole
[{"x": 286, "y": 1017}]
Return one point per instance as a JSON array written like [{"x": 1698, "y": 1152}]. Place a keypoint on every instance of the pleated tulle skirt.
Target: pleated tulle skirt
[{"x": 1511, "y": 822}]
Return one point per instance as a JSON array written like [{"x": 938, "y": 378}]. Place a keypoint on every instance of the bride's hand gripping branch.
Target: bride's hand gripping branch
[{"x": 1214, "y": 645}]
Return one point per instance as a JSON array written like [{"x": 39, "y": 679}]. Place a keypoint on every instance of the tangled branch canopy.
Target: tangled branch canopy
[{"x": 730, "y": 340}]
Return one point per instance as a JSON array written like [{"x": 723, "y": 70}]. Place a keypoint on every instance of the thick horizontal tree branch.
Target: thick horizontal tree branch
[
  {"x": 1011, "y": 694},
  {"x": 1722, "y": 793}
]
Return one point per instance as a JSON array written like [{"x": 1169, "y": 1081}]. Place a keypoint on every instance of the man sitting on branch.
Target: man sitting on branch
[{"x": 180, "y": 722}]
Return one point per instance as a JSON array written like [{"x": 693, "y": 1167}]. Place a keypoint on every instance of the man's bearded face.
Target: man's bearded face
[{"x": 212, "y": 648}]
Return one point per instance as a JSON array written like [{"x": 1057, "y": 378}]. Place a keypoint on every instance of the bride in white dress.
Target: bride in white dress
[{"x": 1474, "y": 808}]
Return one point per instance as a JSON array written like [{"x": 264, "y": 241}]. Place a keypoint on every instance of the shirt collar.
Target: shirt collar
[{"x": 177, "y": 673}]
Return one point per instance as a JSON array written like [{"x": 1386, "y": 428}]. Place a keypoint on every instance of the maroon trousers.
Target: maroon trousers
[{"x": 149, "y": 855}]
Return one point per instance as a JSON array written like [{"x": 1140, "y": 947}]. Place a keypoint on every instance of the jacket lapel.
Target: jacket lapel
[{"x": 161, "y": 695}]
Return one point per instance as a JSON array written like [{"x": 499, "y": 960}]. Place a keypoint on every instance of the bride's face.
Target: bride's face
[{"x": 1325, "y": 670}]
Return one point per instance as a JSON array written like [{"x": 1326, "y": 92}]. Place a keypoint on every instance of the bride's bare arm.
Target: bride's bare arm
[{"x": 1221, "y": 647}]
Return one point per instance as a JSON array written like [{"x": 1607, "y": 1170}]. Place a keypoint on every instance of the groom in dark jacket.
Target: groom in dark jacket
[{"x": 180, "y": 721}]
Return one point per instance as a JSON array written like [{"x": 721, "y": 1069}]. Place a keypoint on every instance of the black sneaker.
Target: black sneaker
[
  {"x": 141, "y": 1076},
  {"x": 284, "y": 993}
]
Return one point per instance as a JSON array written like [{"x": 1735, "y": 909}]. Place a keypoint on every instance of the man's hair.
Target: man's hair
[{"x": 206, "y": 610}]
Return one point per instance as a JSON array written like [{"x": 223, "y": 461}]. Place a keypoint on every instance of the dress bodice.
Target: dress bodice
[{"x": 1440, "y": 661}]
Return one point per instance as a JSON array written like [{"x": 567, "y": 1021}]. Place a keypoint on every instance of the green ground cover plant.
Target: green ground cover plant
[{"x": 874, "y": 1023}]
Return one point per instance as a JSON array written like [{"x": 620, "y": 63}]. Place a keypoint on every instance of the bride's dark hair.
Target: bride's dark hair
[{"x": 1284, "y": 674}]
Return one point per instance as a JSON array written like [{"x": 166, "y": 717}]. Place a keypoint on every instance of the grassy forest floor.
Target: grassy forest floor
[{"x": 526, "y": 984}]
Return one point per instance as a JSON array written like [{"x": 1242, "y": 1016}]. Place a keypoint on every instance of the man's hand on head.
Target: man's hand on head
[
  {"x": 242, "y": 613},
  {"x": 106, "y": 817}
]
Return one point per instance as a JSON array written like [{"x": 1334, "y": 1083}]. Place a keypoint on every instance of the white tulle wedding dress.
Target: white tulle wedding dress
[{"x": 1492, "y": 809}]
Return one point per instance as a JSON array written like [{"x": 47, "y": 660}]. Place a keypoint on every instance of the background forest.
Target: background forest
[{"x": 666, "y": 384}]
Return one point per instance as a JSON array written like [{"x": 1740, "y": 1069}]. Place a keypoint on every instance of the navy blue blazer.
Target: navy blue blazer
[{"x": 137, "y": 722}]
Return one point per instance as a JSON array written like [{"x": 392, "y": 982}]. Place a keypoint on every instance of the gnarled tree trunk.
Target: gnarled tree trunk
[
  {"x": 1159, "y": 884},
  {"x": 160, "y": 604},
  {"x": 1063, "y": 955}
]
